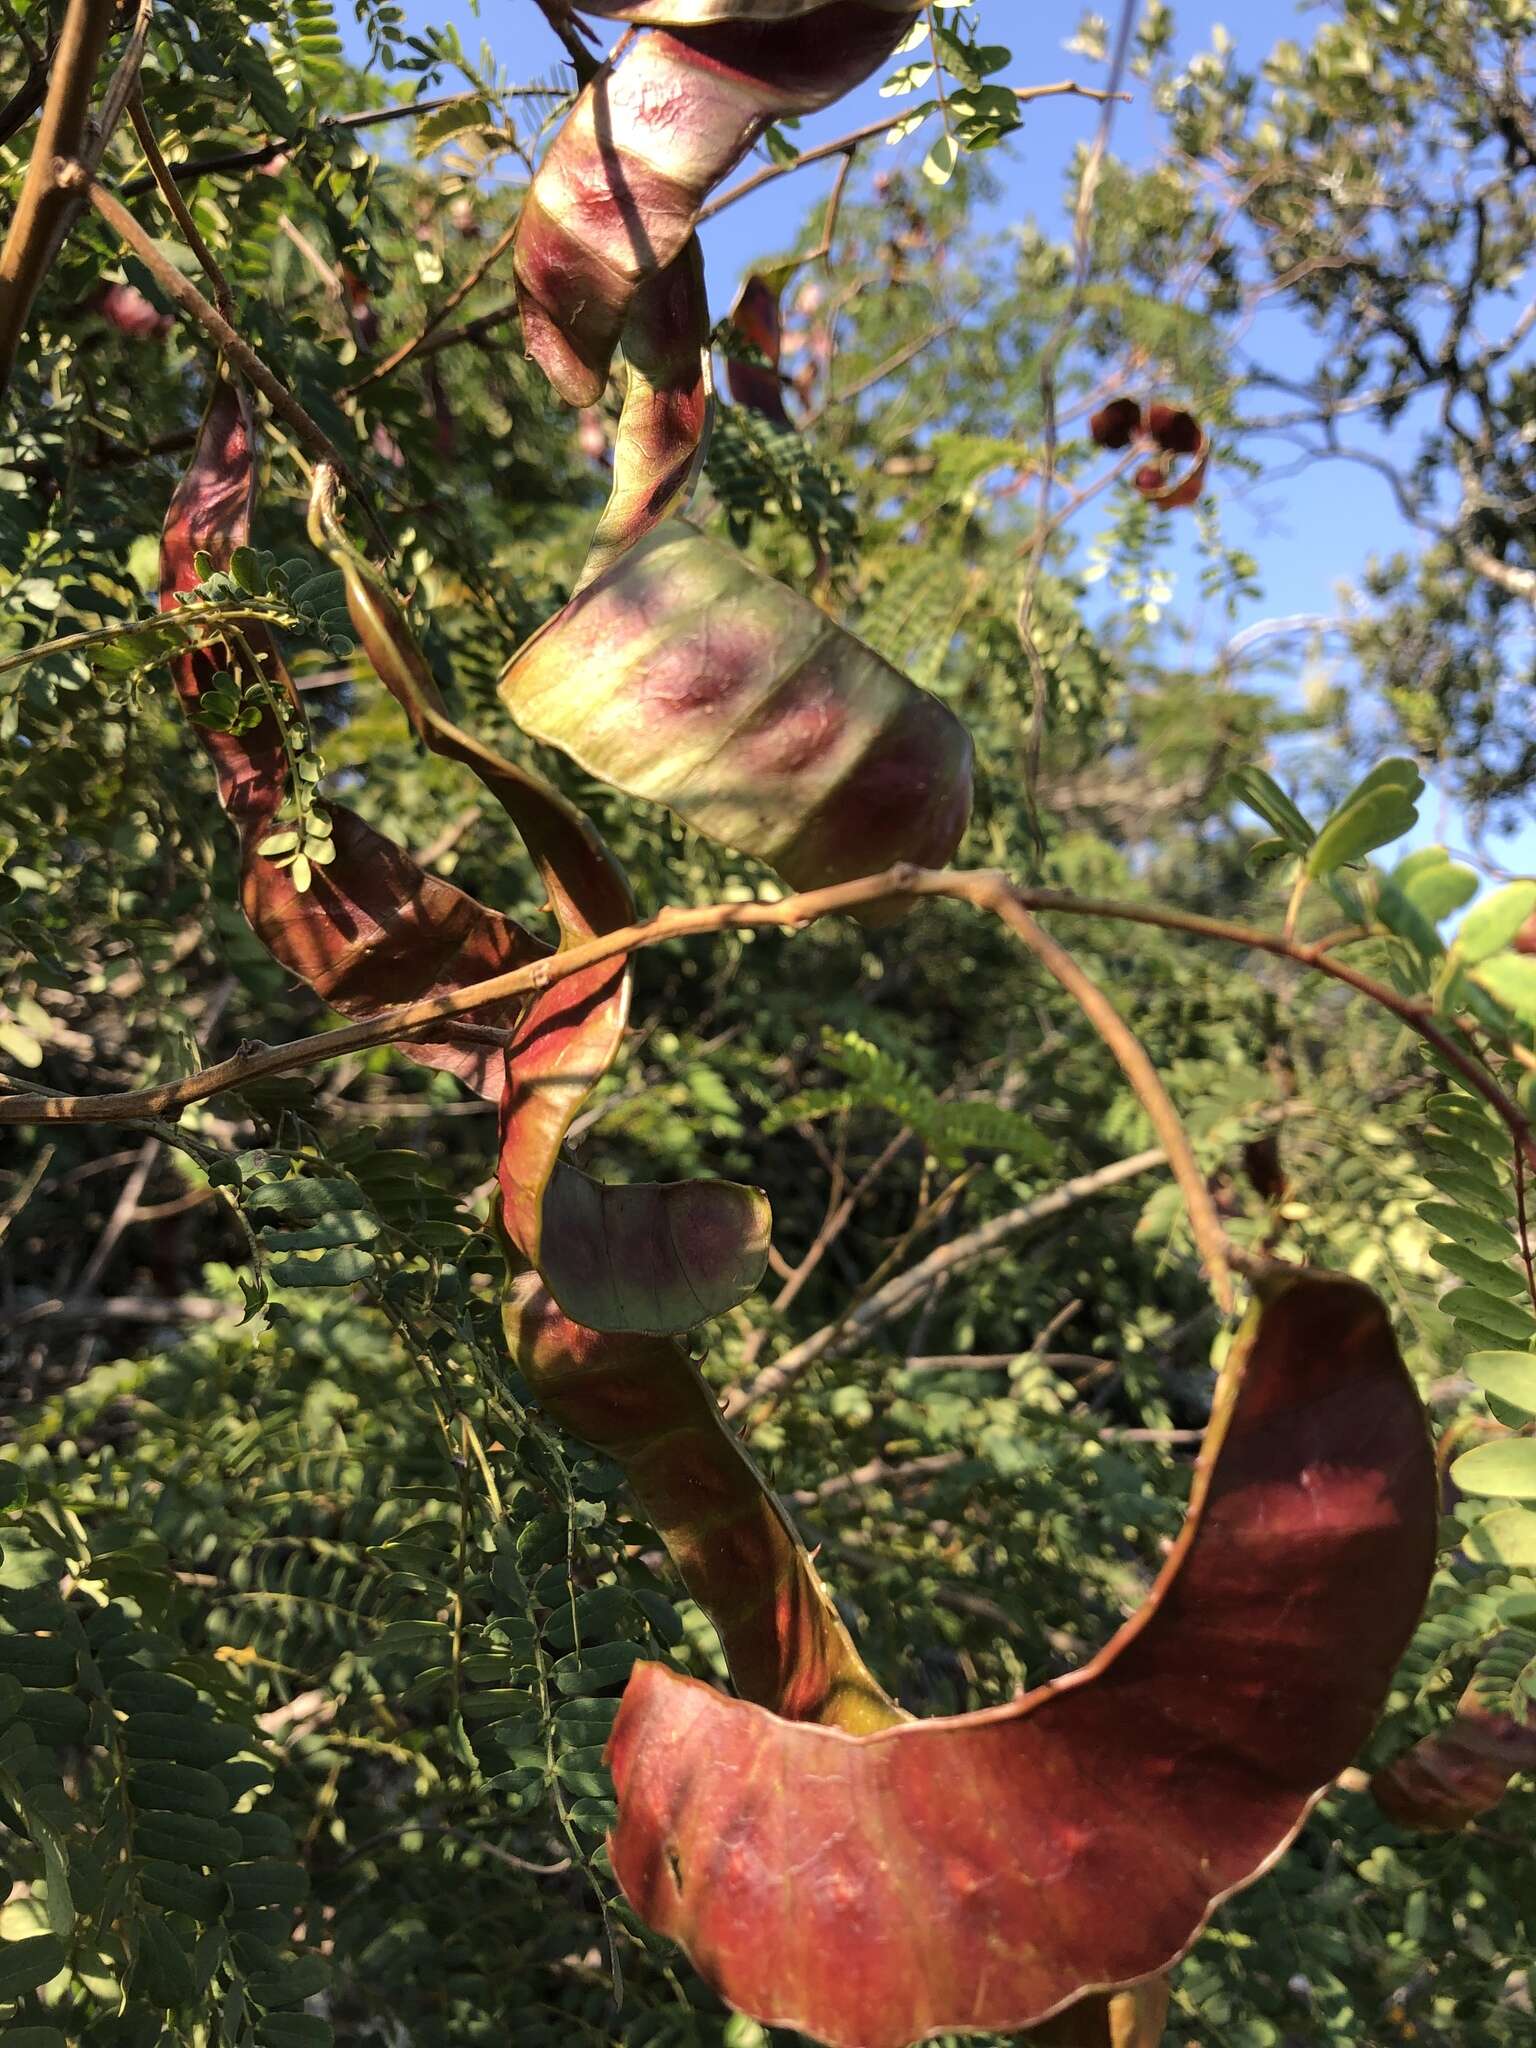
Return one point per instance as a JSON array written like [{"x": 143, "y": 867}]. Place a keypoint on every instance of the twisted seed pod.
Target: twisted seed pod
[
  {"x": 678, "y": 663},
  {"x": 663, "y": 432},
  {"x": 1458, "y": 1772},
  {"x": 711, "y": 13},
  {"x": 758, "y": 319},
  {"x": 374, "y": 928},
  {"x": 984, "y": 1871},
  {"x": 641, "y": 1402},
  {"x": 646, "y": 1256},
  {"x": 820, "y": 1855},
  {"x": 617, "y": 196},
  {"x": 687, "y": 676}
]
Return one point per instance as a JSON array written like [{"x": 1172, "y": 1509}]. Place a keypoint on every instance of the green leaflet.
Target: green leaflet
[
  {"x": 1495, "y": 1278},
  {"x": 1469, "y": 1121},
  {"x": 1505, "y": 1538},
  {"x": 1260, "y": 792},
  {"x": 1507, "y": 1319},
  {"x": 24, "y": 1965},
  {"x": 1466, "y": 1227},
  {"x": 1511, "y": 979},
  {"x": 1510, "y": 1375},
  {"x": 1506, "y": 1467},
  {"x": 1435, "y": 886},
  {"x": 1380, "y": 811},
  {"x": 1488, "y": 928},
  {"x": 1480, "y": 1190},
  {"x": 343, "y": 1266}
]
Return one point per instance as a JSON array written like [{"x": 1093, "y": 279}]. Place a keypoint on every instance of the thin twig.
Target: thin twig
[
  {"x": 30, "y": 94},
  {"x": 907, "y": 1289},
  {"x": 1144, "y": 1078},
  {"x": 181, "y": 213},
  {"x": 843, "y": 145},
  {"x": 186, "y": 295},
  {"x": 123, "y": 1213},
  {"x": 123, "y": 1308},
  {"x": 19, "y": 1198},
  {"x": 981, "y": 888},
  {"x": 253, "y": 159},
  {"x": 454, "y": 300},
  {"x": 330, "y": 281},
  {"x": 891, "y": 364},
  {"x": 472, "y": 330}
]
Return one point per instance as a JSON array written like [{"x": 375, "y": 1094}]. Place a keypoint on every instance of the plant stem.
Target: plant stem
[
  {"x": 979, "y": 887},
  {"x": 98, "y": 636},
  {"x": 47, "y": 205},
  {"x": 1143, "y": 1076},
  {"x": 252, "y": 159},
  {"x": 311, "y": 435},
  {"x": 844, "y": 145},
  {"x": 223, "y": 297}
]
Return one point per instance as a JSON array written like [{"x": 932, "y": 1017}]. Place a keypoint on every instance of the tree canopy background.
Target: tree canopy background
[{"x": 326, "y": 1606}]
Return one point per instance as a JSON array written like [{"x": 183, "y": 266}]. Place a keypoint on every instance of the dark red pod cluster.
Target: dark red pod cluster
[
  {"x": 1460, "y": 1771},
  {"x": 125, "y": 307},
  {"x": 1167, "y": 432}
]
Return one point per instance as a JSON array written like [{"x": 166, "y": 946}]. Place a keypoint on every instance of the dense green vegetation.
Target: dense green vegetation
[{"x": 311, "y": 1628}]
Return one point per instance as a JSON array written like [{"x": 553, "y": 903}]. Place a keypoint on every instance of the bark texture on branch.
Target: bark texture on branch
[{"x": 47, "y": 205}]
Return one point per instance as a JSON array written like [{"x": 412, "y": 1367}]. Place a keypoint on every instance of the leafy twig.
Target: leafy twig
[
  {"x": 311, "y": 434},
  {"x": 844, "y": 145},
  {"x": 253, "y": 159}
]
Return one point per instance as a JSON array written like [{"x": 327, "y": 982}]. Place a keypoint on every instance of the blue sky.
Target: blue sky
[{"x": 1312, "y": 531}]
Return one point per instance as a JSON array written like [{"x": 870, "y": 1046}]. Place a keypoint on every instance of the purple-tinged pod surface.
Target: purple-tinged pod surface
[
  {"x": 984, "y": 1871},
  {"x": 689, "y": 677},
  {"x": 620, "y": 188},
  {"x": 710, "y": 13}
]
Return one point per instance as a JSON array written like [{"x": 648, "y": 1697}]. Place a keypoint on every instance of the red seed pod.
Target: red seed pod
[
  {"x": 125, "y": 307},
  {"x": 1261, "y": 1163},
  {"x": 1177, "y": 432},
  {"x": 1155, "y": 484},
  {"x": 1461, "y": 1770},
  {"x": 1188, "y": 488},
  {"x": 1117, "y": 424}
]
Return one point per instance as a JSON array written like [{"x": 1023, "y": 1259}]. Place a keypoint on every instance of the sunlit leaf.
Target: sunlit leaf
[
  {"x": 1506, "y": 1467},
  {"x": 1488, "y": 927}
]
